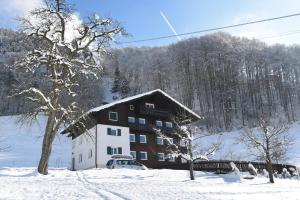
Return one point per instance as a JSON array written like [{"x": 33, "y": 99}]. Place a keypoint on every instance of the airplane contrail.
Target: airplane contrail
[{"x": 170, "y": 25}]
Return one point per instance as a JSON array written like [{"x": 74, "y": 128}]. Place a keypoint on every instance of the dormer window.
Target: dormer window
[{"x": 149, "y": 105}]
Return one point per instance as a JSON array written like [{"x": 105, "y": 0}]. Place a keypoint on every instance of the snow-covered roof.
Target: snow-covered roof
[{"x": 142, "y": 95}]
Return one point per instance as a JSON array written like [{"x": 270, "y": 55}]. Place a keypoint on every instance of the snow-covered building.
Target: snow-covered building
[{"x": 126, "y": 127}]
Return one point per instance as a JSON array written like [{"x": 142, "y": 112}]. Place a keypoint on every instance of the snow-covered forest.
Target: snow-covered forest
[{"x": 229, "y": 80}]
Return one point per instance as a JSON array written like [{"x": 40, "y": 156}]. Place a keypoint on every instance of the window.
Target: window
[
  {"x": 149, "y": 105},
  {"x": 90, "y": 153},
  {"x": 113, "y": 132},
  {"x": 113, "y": 116},
  {"x": 160, "y": 156},
  {"x": 169, "y": 141},
  {"x": 133, "y": 154},
  {"x": 170, "y": 158},
  {"x": 142, "y": 121},
  {"x": 80, "y": 158},
  {"x": 132, "y": 137},
  {"x": 143, "y": 155},
  {"x": 158, "y": 123},
  {"x": 183, "y": 143},
  {"x": 131, "y": 120},
  {"x": 119, "y": 150},
  {"x": 113, "y": 151},
  {"x": 159, "y": 140},
  {"x": 131, "y": 107},
  {"x": 109, "y": 151},
  {"x": 169, "y": 125},
  {"x": 143, "y": 139}
]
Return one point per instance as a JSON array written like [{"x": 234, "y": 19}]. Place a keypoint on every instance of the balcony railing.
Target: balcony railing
[{"x": 154, "y": 112}]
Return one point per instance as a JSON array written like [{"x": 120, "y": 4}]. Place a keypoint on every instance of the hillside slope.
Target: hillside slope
[{"x": 25, "y": 144}]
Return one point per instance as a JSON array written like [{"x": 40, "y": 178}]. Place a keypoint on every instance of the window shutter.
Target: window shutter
[
  {"x": 119, "y": 150},
  {"x": 138, "y": 156},
  {"x": 108, "y": 131},
  {"x": 109, "y": 151},
  {"x": 137, "y": 138},
  {"x": 119, "y": 132}
]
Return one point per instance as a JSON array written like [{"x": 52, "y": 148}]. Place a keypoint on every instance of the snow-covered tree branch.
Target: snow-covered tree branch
[
  {"x": 70, "y": 50},
  {"x": 182, "y": 143}
]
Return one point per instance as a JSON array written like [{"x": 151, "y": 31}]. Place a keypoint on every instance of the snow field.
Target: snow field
[{"x": 25, "y": 183}]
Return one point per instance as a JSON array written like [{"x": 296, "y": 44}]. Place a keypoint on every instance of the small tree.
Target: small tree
[
  {"x": 268, "y": 142},
  {"x": 70, "y": 49},
  {"x": 182, "y": 143}
]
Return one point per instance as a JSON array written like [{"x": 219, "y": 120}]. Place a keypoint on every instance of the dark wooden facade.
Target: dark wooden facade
[{"x": 165, "y": 110}]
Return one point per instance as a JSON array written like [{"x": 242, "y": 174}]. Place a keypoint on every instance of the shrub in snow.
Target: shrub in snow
[
  {"x": 265, "y": 173},
  {"x": 294, "y": 172},
  {"x": 235, "y": 171},
  {"x": 252, "y": 170},
  {"x": 276, "y": 174},
  {"x": 285, "y": 173}
]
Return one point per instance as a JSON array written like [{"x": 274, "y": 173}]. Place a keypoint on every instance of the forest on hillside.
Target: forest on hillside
[{"x": 229, "y": 80}]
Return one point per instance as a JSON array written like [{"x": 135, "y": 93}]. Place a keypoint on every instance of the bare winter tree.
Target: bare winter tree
[
  {"x": 267, "y": 143},
  {"x": 71, "y": 50},
  {"x": 185, "y": 145}
]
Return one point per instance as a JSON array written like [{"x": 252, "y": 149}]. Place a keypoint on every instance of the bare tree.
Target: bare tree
[
  {"x": 182, "y": 143},
  {"x": 71, "y": 49},
  {"x": 268, "y": 142}
]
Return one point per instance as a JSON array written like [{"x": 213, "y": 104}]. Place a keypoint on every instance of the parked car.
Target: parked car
[{"x": 124, "y": 163}]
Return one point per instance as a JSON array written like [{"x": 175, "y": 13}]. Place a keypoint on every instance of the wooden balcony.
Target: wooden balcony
[{"x": 154, "y": 112}]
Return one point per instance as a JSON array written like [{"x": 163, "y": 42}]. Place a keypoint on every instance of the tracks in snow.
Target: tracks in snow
[{"x": 103, "y": 194}]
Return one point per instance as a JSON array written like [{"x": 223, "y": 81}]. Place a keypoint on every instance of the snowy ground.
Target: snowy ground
[{"x": 25, "y": 183}]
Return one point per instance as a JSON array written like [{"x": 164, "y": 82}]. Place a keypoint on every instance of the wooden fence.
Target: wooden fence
[{"x": 223, "y": 166}]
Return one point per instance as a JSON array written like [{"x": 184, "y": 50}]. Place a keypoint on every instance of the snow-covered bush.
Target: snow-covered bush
[
  {"x": 265, "y": 173},
  {"x": 252, "y": 170},
  {"x": 294, "y": 172},
  {"x": 285, "y": 173},
  {"x": 235, "y": 171}
]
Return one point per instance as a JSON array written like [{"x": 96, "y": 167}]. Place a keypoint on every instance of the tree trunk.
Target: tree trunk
[
  {"x": 270, "y": 170},
  {"x": 47, "y": 145},
  {"x": 191, "y": 168}
]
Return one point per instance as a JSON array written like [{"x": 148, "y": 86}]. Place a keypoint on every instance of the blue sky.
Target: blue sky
[{"x": 142, "y": 18}]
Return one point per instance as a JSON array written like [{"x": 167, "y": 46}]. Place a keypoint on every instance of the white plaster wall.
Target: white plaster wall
[
  {"x": 82, "y": 145},
  {"x": 104, "y": 140}
]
